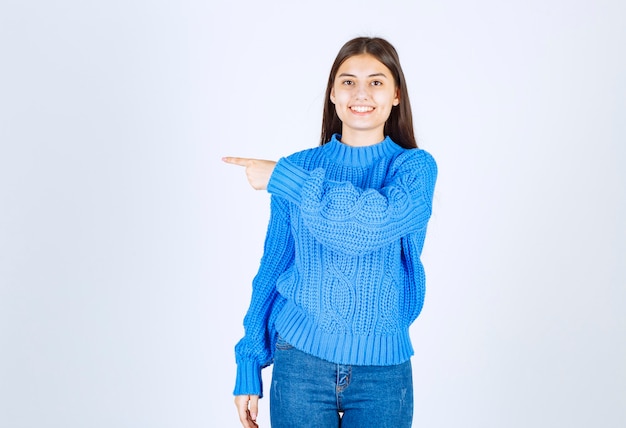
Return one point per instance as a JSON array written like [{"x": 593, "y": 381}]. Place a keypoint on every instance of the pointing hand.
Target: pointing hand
[{"x": 258, "y": 171}]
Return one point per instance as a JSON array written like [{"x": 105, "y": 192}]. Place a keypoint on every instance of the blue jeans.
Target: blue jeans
[{"x": 309, "y": 392}]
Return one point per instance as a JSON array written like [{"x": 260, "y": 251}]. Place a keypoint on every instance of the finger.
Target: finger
[
  {"x": 254, "y": 407},
  {"x": 252, "y": 424},
  {"x": 241, "y": 402},
  {"x": 237, "y": 161}
]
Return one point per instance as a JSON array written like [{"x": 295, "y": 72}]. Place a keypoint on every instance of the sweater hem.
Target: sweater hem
[{"x": 345, "y": 348}]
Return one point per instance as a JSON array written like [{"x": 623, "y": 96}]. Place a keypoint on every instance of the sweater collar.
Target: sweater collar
[{"x": 359, "y": 156}]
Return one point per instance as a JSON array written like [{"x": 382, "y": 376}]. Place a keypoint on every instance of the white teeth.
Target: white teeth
[{"x": 361, "y": 109}]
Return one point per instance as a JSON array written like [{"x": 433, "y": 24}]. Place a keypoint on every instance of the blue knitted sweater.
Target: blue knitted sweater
[{"x": 341, "y": 276}]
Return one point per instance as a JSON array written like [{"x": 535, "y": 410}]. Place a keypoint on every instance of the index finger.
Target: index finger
[
  {"x": 236, "y": 161},
  {"x": 241, "y": 402}
]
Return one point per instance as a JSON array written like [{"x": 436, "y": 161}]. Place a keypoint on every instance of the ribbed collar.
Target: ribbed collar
[{"x": 359, "y": 156}]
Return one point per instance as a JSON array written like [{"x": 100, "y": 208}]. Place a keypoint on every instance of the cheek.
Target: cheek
[
  {"x": 388, "y": 99},
  {"x": 339, "y": 96}
]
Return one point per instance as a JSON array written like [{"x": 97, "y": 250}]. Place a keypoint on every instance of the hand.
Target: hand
[
  {"x": 258, "y": 171},
  {"x": 248, "y": 409}
]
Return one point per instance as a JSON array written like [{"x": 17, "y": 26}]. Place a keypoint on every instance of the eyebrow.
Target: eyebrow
[{"x": 371, "y": 75}]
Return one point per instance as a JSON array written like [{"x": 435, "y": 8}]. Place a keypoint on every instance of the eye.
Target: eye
[
  {"x": 376, "y": 83},
  {"x": 347, "y": 82}
]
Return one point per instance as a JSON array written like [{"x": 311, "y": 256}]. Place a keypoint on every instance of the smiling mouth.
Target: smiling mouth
[{"x": 361, "y": 109}]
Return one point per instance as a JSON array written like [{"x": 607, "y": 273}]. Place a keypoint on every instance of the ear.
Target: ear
[
  {"x": 332, "y": 95},
  {"x": 396, "y": 99}
]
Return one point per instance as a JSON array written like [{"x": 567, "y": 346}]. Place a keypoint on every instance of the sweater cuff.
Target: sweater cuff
[
  {"x": 249, "y": 380},
  {"x": 287, "y": 180}
]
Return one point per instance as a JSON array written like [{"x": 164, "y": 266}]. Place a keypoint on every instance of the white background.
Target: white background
[{"x": 127, "y": 247}]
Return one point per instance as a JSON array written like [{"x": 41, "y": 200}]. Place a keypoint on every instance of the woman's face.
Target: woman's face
[{"x": 364, "y": 93}]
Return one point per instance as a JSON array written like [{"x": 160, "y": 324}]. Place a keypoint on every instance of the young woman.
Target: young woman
[{"x": 341, "y": 280}]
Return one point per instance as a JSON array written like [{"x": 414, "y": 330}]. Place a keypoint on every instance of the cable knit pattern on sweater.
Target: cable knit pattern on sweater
[{"x": 341, "y": 276}]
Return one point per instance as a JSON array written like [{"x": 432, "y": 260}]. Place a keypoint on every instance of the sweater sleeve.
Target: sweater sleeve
[
  {"x": 357, "y": 220},
  {"x": 256, "y": 349}
]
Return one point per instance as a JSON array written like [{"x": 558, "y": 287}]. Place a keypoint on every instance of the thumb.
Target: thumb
[{"x": 254, "y": 407}]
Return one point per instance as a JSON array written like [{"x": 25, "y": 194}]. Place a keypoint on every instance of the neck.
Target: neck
[{"x": 362, "y": 138}]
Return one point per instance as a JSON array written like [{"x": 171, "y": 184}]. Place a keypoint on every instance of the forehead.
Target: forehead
[{"x": 363, "y": 64}]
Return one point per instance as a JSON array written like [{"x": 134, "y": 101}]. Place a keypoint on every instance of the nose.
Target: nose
[{"x": 361, "y": 91}]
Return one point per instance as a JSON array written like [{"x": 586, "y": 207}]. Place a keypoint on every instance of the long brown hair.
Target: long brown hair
[{"x": 399, "y": 125}]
